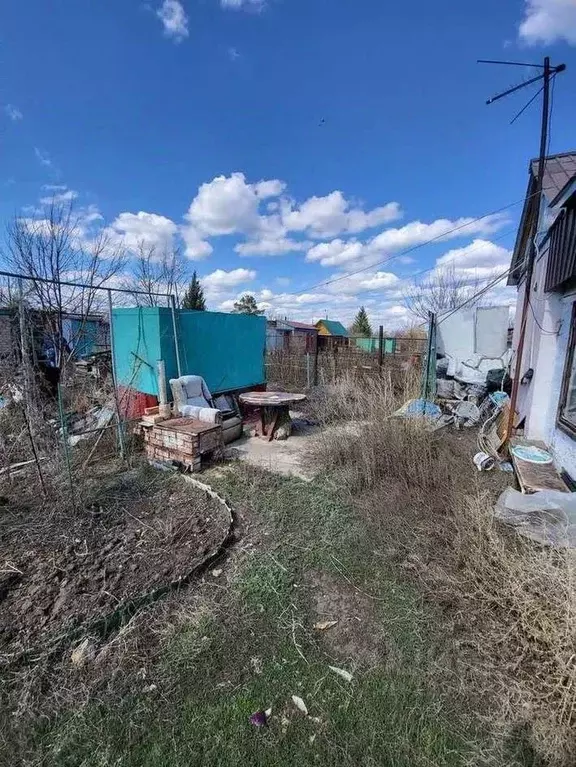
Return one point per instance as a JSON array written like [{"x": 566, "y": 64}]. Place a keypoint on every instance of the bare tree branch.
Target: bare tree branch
[
  {"x": 443, "y": 290},
  {"x": 54, "y": 244},
  {"x": 154, "y": 270}
]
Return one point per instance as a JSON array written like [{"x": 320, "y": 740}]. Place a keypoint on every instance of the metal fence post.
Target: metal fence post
[
  {"x": 115, "y": 381},
  {"x": 175, "y": 330},
  {"x": 380, "y": 347}
]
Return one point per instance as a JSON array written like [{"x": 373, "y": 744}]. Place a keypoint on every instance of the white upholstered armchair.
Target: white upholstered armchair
[{"x": 192, "y": 399}]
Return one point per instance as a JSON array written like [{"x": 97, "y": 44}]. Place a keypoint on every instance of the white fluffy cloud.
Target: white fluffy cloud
[
  {"x": 332, "y": 214},
  {"x": 365, "y": 282},
  {"x": 60, "y": 195},
  {"x": 196, "y": 248},
  {"x": 348, "y": 253},
  {"x": 270, "y": 246},
  {"x": 480, "y": 259},
  {"x": 174, "y": 20},
  {"x": 147, "y": 229},
  {"x": 547, "y": 21},
  {"x": 13, "y": 112},
  {"x": 228, "y": 205},
  {"x": 220, "y": 279},
  {"x": 416, "y": 232}
]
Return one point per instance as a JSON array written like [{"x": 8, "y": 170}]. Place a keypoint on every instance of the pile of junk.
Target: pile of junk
[{"x": 466, "y": 382}]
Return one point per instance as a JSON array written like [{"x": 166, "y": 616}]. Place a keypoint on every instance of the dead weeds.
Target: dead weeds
[{"x": 509, "y": 606}]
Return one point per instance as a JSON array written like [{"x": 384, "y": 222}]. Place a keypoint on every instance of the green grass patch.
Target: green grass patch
[{"x": 257, "y": 648}]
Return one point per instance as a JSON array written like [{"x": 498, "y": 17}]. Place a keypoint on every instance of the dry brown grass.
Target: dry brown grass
[
  {"x": 515, "y": 604},
  {"x": 509, "y": 606}
]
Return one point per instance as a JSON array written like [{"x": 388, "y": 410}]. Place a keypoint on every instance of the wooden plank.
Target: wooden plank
[{"x": 534, "y": 476}]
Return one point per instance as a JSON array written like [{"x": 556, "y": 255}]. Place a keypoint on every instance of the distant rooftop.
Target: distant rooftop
[
  {"x": 300, "y": 325},
  {"x": 334, "y": 327}
]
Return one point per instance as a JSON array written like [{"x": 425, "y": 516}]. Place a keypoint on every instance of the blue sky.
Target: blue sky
[{"x": 287, "y": 142}]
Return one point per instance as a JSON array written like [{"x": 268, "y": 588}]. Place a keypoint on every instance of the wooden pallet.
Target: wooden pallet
[{"x": 534, "y": 476}]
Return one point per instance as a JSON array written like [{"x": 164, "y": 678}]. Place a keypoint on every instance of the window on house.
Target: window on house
[{"x": 567, "y": 407}]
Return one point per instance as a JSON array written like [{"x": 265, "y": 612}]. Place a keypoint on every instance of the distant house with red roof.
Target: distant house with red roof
[{"x": 290, "y": 335}]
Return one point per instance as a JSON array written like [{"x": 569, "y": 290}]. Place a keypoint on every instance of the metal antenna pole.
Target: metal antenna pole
[
  {"x": 532, "y": 252},
  {"x": 548, "y": 73}
]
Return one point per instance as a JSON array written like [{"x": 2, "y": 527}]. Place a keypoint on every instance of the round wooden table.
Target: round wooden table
[{"x": 274, "y": 409}]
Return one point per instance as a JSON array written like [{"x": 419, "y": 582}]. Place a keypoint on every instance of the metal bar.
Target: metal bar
[
  {"x": 115, "y": 380},
  {"x": 24, "y": 345},
  {"x": 532, "y": 252},
  {"x": 525, "y": 107},
  {"x": 380, "y": 346},
  {"x": 514, "y": 89},
  {"x": 509, "y": 63},
  {"x": 64, "y": 428},
  {"x": 175, "y": 329},
  {"x": 78, "y": 284}
]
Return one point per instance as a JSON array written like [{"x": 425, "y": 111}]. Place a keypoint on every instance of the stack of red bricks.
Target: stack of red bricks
[{"x": 183, "y": 441}]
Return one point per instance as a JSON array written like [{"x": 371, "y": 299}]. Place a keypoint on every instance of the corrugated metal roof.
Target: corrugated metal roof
[
  {"x": 559, "y": 170},
  {"x": 334, "y": 327},
  {"x": 301, "y": 326}
]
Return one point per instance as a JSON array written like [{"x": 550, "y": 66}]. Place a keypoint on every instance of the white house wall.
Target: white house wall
[
  {"x": 546, "y": 345},
  {"x": 563, "y": 446}
]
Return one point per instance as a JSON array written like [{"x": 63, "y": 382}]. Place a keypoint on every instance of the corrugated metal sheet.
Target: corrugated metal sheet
[
  {"x": 562, "y": 255},
  {"x": 227, "y": 350}
]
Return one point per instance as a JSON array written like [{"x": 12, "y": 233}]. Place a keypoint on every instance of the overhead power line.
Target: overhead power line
[
  {"x": 409, "y": 250},
  {"x": 473, "y": 298}
]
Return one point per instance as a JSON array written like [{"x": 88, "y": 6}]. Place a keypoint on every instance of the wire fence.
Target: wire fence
[
  {"x": 62, "y": 404},
  {"x": 298, "y": 364}
]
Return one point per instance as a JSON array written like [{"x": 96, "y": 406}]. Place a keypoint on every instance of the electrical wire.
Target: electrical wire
[
  {"x": 501, "y": 236},
  {"x": 409, "y": 250},
  {"x": 546, "y": 332},
  {"x": 476, "y": 295}
]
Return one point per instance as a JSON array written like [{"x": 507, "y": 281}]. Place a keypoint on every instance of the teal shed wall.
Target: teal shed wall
[
  {"x": 137, "y": 332},
  {"x": 227, "y": 350}
]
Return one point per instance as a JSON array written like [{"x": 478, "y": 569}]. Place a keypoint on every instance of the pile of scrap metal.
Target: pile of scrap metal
[
  {"x": 473, "y": 354},
  {"x": 80, "y": 426},
  {"x": 466, "y": 374},
  {"x": 97, "y": 365}
]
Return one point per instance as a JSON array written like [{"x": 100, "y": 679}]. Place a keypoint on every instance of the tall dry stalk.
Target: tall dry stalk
[{"x": 509, "y": 606}]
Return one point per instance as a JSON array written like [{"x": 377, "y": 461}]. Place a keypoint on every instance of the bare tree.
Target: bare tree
[
  {"x": 52, "y": 247},
  {"x": 443, "y": 290},
  {"x": 154, "y": 270}
]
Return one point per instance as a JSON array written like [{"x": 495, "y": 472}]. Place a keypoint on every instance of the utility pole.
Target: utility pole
[{"x": 548, "y": 74}]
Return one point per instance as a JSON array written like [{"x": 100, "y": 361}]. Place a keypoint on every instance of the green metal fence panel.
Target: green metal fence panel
[{"x": 371, "y": 344}]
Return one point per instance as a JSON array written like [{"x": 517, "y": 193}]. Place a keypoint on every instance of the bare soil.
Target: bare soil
[
  {"x": 358, "y": 635},
  {"x": 65, "y": 568}
]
